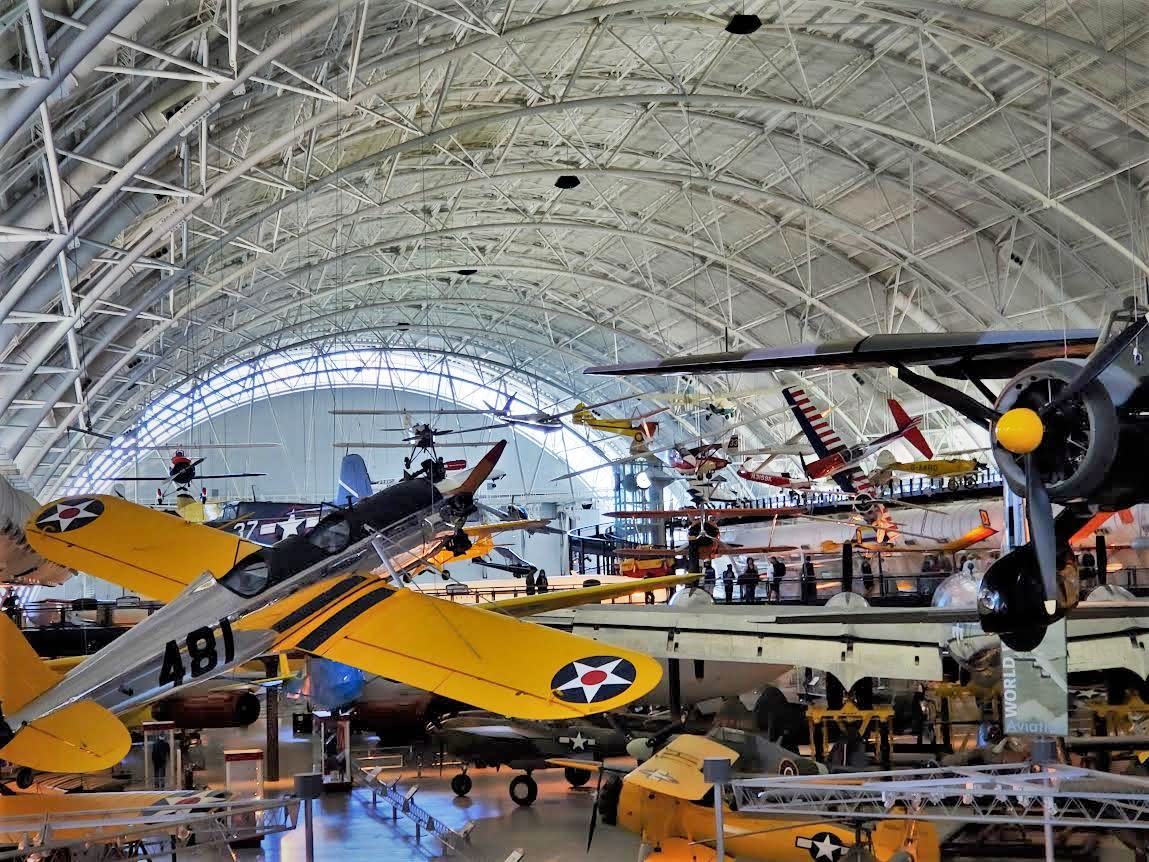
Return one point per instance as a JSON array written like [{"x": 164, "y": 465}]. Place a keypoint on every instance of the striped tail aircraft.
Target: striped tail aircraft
[
  {"x": 337, "y": 592},
  {"x": 838, "y": 461}
]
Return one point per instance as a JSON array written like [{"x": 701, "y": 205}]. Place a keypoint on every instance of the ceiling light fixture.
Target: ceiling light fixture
[
  {"x": 743, "y": 25},
  {"x": 567, "y": 181}
]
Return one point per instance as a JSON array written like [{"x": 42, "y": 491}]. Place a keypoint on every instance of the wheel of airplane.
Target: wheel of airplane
[
  {"x": 523, "y": 790},
  {"x": 576, "y": 777},
  {"x": 25, "y": 778},
  {"x": 461, "y": 784}
]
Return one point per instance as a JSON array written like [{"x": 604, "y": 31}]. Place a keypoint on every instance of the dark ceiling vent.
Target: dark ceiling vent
[
  {"x": 743, "y": 25},
  {"x": 567, "y": 181}
]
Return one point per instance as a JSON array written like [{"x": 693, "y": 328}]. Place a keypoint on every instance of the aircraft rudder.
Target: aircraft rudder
[
  {"x": 354, "y": 481},
  {"x": 906, "y": 423}
]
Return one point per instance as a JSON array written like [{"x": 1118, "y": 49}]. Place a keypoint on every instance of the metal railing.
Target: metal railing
[
  {"x": 377, "y": 777},
  {"x": 152, "y": 831}
]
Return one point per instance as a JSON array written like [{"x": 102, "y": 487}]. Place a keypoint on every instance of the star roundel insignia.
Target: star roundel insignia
[
  {"x": 593, "y": 679},
  {"x": 823, "y": 845},
  {"x": 69, "y": 514}
]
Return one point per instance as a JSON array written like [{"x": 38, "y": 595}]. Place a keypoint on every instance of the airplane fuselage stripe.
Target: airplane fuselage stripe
[
  {"x": 316, "y": 604},
  {"x": 334, "y": 623}
]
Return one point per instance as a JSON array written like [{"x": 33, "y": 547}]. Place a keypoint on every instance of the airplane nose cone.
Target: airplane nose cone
[{"x": 1019, "y": 430}]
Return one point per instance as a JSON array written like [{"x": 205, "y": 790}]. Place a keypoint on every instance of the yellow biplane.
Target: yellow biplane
[
  {"x": 338, "y": 592},
  {"x": 667, "y": 802}
]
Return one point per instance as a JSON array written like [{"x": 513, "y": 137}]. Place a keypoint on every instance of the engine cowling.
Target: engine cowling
[
  {"x": 216, "y": 709},
  {"x": 1093, "y": 446}
]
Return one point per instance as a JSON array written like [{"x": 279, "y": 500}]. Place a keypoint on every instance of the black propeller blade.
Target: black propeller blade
[{"x": 594, "y": 811}]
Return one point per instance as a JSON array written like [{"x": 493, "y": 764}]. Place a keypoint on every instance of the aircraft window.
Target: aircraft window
[
  {"x": 247, "y": 580},
  {"x": 331, "y": 537},
  {"x": 230, "y": 512}
]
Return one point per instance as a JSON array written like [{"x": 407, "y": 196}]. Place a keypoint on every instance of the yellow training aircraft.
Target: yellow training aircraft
[
  {"x": 935, "y": 468},
  {"x": 668, "y": 803},
  {"x": 230, "y": 601},
  {"x": 639, "y": 429}
]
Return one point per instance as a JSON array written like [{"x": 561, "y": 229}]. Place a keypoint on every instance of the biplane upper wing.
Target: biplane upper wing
[
  {"x": 144, "y": 550},
  {"x": 994, "y": 355},
  {"x": 524, "y": 606},
  {"x": 676, "y": 770},
  {"x": 476, "y": 656}
]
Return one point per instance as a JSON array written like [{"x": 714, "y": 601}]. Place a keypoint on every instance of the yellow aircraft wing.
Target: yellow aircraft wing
[
  {"x": 143, "y": 550},
  {"x": 525, "y": 606},
  {"x": 472, "y": 655},
  {"x": 482, "y": 545},
  {"x": 676, "y": 770}
]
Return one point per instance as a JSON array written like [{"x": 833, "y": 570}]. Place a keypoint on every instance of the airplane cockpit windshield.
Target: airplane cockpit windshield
[
  {"x": 331, "y": 535},
  {"x": 248, "y": 579}
]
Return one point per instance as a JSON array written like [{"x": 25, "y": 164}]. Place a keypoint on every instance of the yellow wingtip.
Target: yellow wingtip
[{"x": 83, "y": 737}]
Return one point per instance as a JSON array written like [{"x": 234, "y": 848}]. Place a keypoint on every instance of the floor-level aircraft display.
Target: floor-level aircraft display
[
  {"x": 483, "y": 740},
  {"x": 230, "y": 601},
  {"x": 669, "y": 804}
]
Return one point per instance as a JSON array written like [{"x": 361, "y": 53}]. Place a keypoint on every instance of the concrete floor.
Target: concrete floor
[{"x": 349, "y": 828}]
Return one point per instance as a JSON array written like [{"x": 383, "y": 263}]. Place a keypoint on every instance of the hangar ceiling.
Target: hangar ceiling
[{"x": 189, "y": 185}]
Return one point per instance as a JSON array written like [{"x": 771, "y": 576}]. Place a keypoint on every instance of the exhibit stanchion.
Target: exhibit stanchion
[
  {"x": 717, "y": 771},
  {"x": 308, "y": 787}
]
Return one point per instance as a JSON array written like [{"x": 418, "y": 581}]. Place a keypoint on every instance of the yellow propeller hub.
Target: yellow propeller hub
[{"x": 1020, "y": 430}]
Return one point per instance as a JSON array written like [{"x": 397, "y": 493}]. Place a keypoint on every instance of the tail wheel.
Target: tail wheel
[
  {"x": 523, "y": 790},
  {"x": 25, "y": 777}
]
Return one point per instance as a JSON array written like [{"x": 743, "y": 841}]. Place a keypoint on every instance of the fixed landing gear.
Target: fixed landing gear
[
  {"x": 461, "y": 784},
  {"x": 524, "y": 790},
  {"x": 576, "y": 777},
  {"x": 25, "y": 778}
]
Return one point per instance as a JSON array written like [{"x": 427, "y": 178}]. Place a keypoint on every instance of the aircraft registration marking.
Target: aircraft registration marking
[{"x": 203, "y": 655}]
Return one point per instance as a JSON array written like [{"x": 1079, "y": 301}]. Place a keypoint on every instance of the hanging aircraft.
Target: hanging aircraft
[
  {"x": 1066, "y": 428},
  {"x": 954, "y": 468},
  {"x": 181, "y": 474},
  {"x": 838, "y": 461},
  {"x": 754, "y": 472},
  {"x": 230, "y": 601},
  {"x": 703, "y": 542},
  {"x": 670, "y": 805},
  {"x": 507, "y": 561}
]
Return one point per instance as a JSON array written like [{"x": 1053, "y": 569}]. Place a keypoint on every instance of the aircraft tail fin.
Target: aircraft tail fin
[
  {"x": 912, "y": 433},
  {"x": 23, "y": 674},
  {"x": 83, "y": 737},
  {"x": 354, "y": 481}
]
